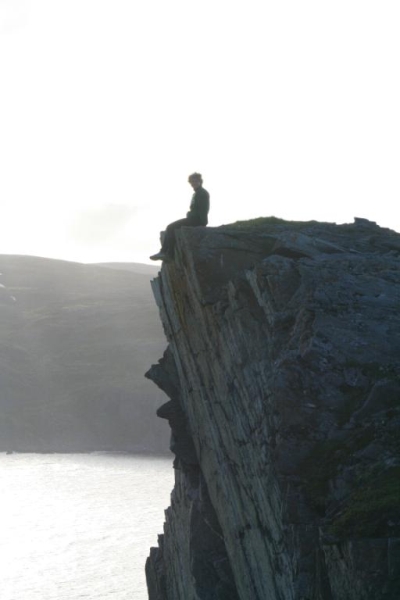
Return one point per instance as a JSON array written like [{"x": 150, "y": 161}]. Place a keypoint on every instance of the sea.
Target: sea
[{"x": 79, "y": 526}]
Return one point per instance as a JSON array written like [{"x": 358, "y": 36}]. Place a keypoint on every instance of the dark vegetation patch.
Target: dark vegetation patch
[
  {"x": 373, "y": 509},
  {"x": 354, "y": 397},
  {"x": 262, "y": 221},
  {"x": 324, "y": 463},
  {"x": 375, "y": 370}
]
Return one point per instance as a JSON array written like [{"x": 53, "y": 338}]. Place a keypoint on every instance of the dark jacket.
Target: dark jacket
[{"x": 199, "y": 207}]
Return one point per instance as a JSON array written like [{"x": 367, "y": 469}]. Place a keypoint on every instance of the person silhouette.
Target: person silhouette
[{"x": 196, "y": 216}]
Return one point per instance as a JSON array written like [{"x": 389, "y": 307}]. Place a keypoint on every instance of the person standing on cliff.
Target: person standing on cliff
[{"x": 197, "y": 216}]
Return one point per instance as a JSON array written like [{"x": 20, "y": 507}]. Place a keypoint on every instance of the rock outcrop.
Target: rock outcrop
[{"x": 283, "y": 373}]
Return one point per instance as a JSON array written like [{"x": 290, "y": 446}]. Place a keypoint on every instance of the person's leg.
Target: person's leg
[
  {"x": 169, "y": 239},
  {"x": 167, "y": 248}
]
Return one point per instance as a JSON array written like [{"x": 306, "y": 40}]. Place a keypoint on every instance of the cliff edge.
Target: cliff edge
[{"x": 283, "y": 373}]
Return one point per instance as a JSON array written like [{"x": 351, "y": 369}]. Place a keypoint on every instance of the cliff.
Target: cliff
[{"x": 283, "y": 373}]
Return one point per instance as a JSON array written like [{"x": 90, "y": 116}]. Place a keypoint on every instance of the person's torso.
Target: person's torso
[{"x": 200, "y": 205}]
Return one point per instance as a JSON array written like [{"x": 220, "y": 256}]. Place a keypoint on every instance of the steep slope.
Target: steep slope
[
  {"x": 283, "y": 372},
  {"x": 74, "y": 342}
]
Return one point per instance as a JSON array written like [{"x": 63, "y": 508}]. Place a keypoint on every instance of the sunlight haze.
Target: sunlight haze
[{"x": 287, "y": 108}]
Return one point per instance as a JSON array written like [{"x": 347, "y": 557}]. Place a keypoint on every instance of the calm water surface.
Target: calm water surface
[{"x": 79, "y": 526}]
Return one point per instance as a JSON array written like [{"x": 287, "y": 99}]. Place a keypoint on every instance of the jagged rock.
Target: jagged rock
[
  {"x": 155, "y": 572},
  {"x": 165, "y": 376},
  {"x": 283, "y": 370}
]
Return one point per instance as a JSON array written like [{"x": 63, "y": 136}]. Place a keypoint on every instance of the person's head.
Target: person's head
[{"x": 195, "y": 180}]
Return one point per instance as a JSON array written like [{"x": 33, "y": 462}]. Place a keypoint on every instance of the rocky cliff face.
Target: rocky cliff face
[{"x": 283, "y": 373}]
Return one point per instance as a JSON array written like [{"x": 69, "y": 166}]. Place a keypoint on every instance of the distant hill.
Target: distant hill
[
  {"x": 150, "y": 270},
  {"x": 75, "y": 342}
]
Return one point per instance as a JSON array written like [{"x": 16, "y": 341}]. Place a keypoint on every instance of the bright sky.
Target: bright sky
[{"x": 288, "y": 108}]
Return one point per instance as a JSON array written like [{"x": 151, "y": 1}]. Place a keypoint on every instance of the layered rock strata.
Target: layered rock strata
[{"x": 283, "y": 373}]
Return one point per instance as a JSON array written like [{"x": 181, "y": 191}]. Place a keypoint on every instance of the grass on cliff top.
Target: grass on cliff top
[{"x": 263, "y": 221}]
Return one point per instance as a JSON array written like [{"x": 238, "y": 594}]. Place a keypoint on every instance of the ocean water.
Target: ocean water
[{"x": 79, "y": 526}]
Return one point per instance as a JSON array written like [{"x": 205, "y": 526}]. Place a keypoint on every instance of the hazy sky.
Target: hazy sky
[{"x": 288, "y": 108}]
